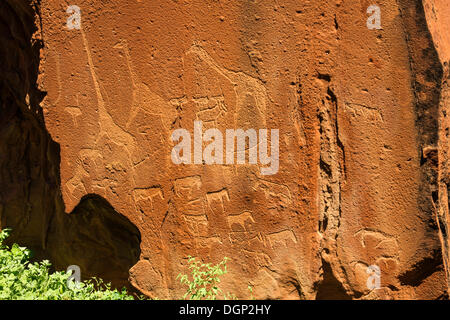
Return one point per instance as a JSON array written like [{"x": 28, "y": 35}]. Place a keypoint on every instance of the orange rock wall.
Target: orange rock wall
[{"x": 361, "y": 113}]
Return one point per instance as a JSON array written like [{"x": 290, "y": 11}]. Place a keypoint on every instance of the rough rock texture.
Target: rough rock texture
[
  {"x": 94, "y": 236},
  {"x": 437, "y": 14},
  {"x": 363, "y": 177}
]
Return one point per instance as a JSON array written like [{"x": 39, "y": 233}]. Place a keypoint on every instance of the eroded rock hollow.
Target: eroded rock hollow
[{"x": 358, "y": 92}]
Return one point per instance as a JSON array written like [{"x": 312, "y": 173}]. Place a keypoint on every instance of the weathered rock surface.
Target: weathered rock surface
[
  {"x": 86, "y": 170},
  {"x": 94, "y": 236}
]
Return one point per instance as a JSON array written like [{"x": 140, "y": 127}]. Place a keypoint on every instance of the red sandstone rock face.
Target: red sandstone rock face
[
  {"x": 361, "y": 115},
  {"x": 437, "y": 14}
]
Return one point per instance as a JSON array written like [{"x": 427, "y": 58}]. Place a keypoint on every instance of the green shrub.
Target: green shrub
[
  {"x": 22, "y": 280},
  {"x": 205, "y": 280}
]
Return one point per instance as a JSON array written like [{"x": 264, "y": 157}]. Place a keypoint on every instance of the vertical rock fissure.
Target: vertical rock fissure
[
  {"x": 426, "y": 82},
  {"x": 442, "y": 215},
  {"x": 331, "y": 166}
]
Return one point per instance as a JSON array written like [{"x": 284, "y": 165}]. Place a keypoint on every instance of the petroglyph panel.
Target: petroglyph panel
[
  {"x": 260, "y": 259},
  {"x": 351, "y": 189},
  {"x": 146, "y": 197},
  {"x": 359, "y": 111},
  {"x": 218, "y": 198},
  {"x": 189, "y": 195},
  {"x": 240, "y": 220},
  {"x": 197, "y": 225},
  {"x": 378, "y": 243},
  {"x": 282, "y": 238},
  {"x": 277, "y": 195}
]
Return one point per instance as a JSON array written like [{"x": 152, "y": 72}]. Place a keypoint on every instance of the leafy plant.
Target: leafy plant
[
  {"x": 205, "y": 280},
  {"x": 22, "y": 280},
  {"x": 250, "y": 289}
]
